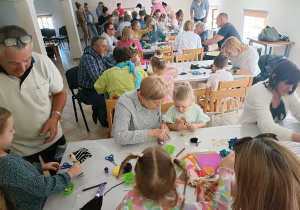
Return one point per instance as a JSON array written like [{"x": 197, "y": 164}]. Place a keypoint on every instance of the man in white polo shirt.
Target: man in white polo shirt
[{"x": 31, "y": 87}]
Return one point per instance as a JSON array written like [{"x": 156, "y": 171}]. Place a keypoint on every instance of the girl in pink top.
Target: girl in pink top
[
  {"x": 127, "y": 39},
  {"x": 159, "y": 67}
]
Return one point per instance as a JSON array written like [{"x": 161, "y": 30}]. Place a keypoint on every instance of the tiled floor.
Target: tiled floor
[{"x": 75, "y": 131}]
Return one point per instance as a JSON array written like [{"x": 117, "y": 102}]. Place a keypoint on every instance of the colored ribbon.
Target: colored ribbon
[{"x": 133, "y": 71}]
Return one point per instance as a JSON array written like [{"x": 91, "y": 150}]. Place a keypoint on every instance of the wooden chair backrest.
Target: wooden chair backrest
[
  {"x": 246, "y": 82},
  {"x": 186, "y": 58},
  {"x": 196, "y": 51},
  {"x": 172, "y": 37},
  {"x": 168, "y": 54},
  {"x": 215, "y": 97},
  {"x": 165, "y": 107},
  {"x": 202, "y": 94},
  {"x": 110, "y": 106}
]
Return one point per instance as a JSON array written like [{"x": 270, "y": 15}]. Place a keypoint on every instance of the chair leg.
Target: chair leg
[
  {"x": 83, "y": 116},
  {"x": 75, "y": 111},
  {"x": 68, "y": 43}
]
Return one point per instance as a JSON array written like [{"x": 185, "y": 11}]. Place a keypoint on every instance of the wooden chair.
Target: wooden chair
[
  {"x": 195, "y": 51},
  {"x": 110, "y": 106},
  {"x": 201, "y": 96},
  {"x": 215, "y": 97},
  {"x": 172, "y": 37},
  {"x": 186, "y": 58},
  {"x": 246, "y": 82},
  {"x": 168, "y": 54},
  {"x": 165, "y": 107}
]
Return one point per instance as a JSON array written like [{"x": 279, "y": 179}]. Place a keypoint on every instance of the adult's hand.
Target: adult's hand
[
  {"x": 158, "y": 133},
  {"x": 205, "y": 20},
  {"x": 51, "y": 126},
  {"x": 145, "y": 38}
]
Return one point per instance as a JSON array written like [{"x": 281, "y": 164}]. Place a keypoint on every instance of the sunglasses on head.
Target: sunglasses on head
[
  {"x": 241, "y": 141},
  {"x": 10, "y": 42}
]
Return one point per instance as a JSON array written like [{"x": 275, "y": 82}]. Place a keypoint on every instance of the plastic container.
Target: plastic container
[
  {"x": 69, "y": 189},
  {"x": 170, "y": 149},
  {"x": 128, "y": 178}
]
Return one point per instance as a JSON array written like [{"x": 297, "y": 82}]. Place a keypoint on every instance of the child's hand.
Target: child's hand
[
  {"x": 180, "y": 127},
  {"x": 75, "y": 170},
  {"x": 228, "y": 162},
  {"x": 191, "y": 127},
  {"x": 51, "y": 166}
]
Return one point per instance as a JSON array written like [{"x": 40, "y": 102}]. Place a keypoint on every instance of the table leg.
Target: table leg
[
  {"x": 270, "y": 50},
  {"x": 287, "y": 50},
  {"x": 266, "y": 50}
]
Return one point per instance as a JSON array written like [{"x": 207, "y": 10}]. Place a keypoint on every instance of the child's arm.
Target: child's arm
[
  {"x": 142, "y": 32},
  {"x": 193, "y": 127},
  {"x": 177, "y": 127}
]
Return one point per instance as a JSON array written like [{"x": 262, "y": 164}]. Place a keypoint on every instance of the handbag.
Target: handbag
[
  {"x": 269, "y": 34},
  {"x": 223, "y": 118}
]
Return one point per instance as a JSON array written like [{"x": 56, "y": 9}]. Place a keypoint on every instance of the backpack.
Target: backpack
[
  {"x": 269, "y": 34},
  {"x": 266, "y": 64}
]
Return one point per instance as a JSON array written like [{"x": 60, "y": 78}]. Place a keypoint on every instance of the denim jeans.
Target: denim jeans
[
  {"x": 198, "y": 20},
  {"x": 91, "y": 97},
  {"x": 90, "y": 29}
]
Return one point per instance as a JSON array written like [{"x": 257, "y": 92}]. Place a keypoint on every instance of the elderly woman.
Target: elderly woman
[
  {"x": 181, "y": 21},
  {"x": 127, "y": 38},
  {"x": 187, "y": 39},
  {"x": 138, "y": 114},
  {"x": 200, "y": 30},
  {"x": 154, "y": 34},
  {"x": 121, "y": 78},
  {"x": 244, "y": 57},
  {"x": 267, "y": 103}
]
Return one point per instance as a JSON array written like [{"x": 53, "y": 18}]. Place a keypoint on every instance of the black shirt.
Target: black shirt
[{"x": 101, "y": 20}]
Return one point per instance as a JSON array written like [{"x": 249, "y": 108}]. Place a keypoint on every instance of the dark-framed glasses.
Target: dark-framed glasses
[
  {"x": 10, "y": 42},
  {"x": 241, "y": 141}
]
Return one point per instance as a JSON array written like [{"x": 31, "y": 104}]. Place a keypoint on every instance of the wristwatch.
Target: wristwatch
[{"x": 56, "y": 112}]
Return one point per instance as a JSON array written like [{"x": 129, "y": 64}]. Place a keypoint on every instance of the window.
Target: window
[
  {"x": 45, "y": 21},
  {"x": 212, "y": 17},
  {"x": 254, "y": 22}
]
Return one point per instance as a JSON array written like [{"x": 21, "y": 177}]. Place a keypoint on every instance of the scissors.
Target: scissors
[
  {"x": 66, "y": 165},
  {"x": 110, "y": 158}
]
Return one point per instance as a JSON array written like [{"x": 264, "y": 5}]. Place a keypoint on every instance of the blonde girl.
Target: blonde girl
[
  {"x": 168, "y": 74},
  {"x": 155, "y": 188},
  {"x": 137, "y": 32},
  {"x": 134, "y": 55},
  {"x": 161, "y": 23},
  {"x": 267, "y": 175},
  {"x": 185, "y": 114},
  {"x": 24, "y": 184}
]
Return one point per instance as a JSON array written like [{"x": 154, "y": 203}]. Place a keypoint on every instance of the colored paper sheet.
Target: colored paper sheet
[
  {"x": 210, "y": 160},
  {"x": 208, "y": 169},
  {"x": 213, "y": 53}
]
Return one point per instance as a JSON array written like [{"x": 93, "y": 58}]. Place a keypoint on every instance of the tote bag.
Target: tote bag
[
  {"x": 269, "y": 34},
  {"x": 224, "y": 118}
]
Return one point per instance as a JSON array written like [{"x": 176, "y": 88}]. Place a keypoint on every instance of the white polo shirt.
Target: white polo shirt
[{"x": 31, "y": 104}]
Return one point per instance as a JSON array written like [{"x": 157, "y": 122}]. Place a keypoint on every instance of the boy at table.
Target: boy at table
[{"x": 219, "y": 73}]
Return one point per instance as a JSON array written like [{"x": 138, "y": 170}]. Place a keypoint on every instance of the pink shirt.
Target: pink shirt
[
  {"x": 169, "y": 79},
  {"x": 158, "y": 6},
  {"x": 127, "y": 44}
]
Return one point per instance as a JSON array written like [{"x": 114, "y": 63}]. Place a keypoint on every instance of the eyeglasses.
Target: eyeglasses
[
  {"x": 241, "y": 141},
  {"x": 10, "y": 42}
]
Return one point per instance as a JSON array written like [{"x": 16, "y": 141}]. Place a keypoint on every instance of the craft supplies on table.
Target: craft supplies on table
[
  {"x": 110, "y": 158},
  {"x": 66, "y": 165}
]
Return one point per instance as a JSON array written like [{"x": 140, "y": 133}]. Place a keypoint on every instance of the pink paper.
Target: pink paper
[{"x": 211, "y": 160}]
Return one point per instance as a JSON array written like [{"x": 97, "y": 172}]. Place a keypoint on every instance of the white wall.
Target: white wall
[
  {"x": 283, "y": 15},
  {"x": 8, "y": 14}
]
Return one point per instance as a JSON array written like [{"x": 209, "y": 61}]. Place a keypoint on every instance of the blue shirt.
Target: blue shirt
[
  {"x": 98, "y": 11},
  {"x": 227, "y": 31},
  {"x": 200, "y": 11},
  {"x": 91, "y": 67},
  {"x": 204, "y": 36},
  {"x": 122, "y": 25},
  {"x": 88, "y": 17},
  {"x": 154, "y": 35},
  {"x": 143, "y": 24}
]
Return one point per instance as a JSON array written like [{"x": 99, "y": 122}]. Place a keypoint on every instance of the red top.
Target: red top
[{"x": 121, "y": 12}]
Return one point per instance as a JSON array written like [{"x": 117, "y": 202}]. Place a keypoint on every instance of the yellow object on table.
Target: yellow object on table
[
  {"x": 182, "y": 134},
  {"x": 116, "y": 170}
]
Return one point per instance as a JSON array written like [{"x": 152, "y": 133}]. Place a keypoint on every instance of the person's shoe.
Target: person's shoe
[
  {"x": 95, "y": 116},
  {"x": 104, "y": 124}
]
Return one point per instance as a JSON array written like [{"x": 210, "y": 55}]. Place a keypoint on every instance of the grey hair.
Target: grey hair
[
  {"x": 127, "y": 18},
  {"x": 199, "y": 25},
  {"x": 95, "y": 39},
  {"x": 12, "y": 31}
]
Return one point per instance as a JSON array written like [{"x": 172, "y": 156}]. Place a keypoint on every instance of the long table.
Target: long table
[
  {"x": 94, "y": 167},
  {"x": 194, "y": 79}
]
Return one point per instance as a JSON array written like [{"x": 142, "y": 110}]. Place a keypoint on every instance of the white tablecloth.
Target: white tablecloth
[
  {"x": 185, "y": 67},
  {"x": 94, "y": 167}
]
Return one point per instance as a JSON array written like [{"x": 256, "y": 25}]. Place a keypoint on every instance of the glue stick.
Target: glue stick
[{"x": 100, "y": 190}]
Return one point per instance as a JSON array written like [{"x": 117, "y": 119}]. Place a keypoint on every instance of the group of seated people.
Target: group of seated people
[{"x": 274, "y": 169}]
